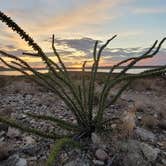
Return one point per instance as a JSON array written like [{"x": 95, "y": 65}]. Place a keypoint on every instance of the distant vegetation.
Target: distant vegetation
[
  {"x": 79, "y": 98},
  {"x": 1, "y": 68}
]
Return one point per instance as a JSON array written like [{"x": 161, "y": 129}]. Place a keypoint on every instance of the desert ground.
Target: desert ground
[{"x": 137, "y": 122}]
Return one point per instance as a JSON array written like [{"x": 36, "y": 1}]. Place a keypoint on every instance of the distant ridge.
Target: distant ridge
[{"x": 76, "y": 68}]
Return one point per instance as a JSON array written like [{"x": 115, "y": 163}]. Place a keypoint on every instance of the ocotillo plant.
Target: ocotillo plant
[{"x": 80, "y": 100}]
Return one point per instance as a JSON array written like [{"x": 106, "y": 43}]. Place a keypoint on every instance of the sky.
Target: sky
[{"x": 77, "y": 24}]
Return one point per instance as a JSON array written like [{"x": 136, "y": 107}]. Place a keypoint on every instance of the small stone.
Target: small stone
[
  {"x": 149, "y": 121},
  {"x": 163, "y": 161},
  {"x": 30, "y": 149},
  {"x": 29, "y": 140},
  {"x": 24, "y": 116},
  {"x": 95, "y": 139},
  {"x": 26, "y": 111},
  {"x": 43, "y": 158},
  {"x": 139, "y": 117},
  {"x": 149, "y": 152},
  {"x": 14, "y": 160},
  {"x": 98, "y": 162},
  {"x": 113, "y": 126},
  {"x": 145, "y": 135},
  {"x": 2, "y": 133},
  {"x": 21, "y": 162},
  {"x": 162, "y": 144},
  {"x": 101, "y": 154},
  {"x": 13, "y": 133},
  {"x": 74, "y": 121},
  {"x": 155, "y": 115},
  {"x": 2, "y": 139},
  {"x": 28, "y": 97}
]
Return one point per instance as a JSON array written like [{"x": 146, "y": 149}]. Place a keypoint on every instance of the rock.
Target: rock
[
  {"x": 13, "y": 133},
  {"x": 2, "y": 133},
  {"x": 133, "y": 159},
  {"x": 139, "y": 117},
  {"x": 131, "y": 154},
  {"x": 14, "y": 160},
  {"x": 98, "y": 162},
  {"x": 130, "y": 146},
  {"x": 23, "y": 116},
  {"x": 74, "y": 121},
  {"x": 163, "y": 161},
  {"x": 30, "y": 150},
  {"x": 149, "y": 121},
  {"x": 139, "y": 154},
  {"x": 101, "y": 154},
  {"x": 149, "y": 152},
  {"x": 26, "y": 111},
  {"x": 155, "y": 115},
  {"x": 28, "y": 97},
  {"x": 162, "y": 144},
  {"x": 162, "y": 124},
  {"x": 21, "y": 162},
  {"x": 145, "y": 135},
  {"x": 113, "y": 126},
  {"x": 95, "y": 139},
  {"x": 2, "y": 139},
  {"x": 29, "y": 140}
]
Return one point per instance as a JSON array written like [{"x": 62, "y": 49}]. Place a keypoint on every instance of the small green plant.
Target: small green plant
[{"x": 80, "y": 100}]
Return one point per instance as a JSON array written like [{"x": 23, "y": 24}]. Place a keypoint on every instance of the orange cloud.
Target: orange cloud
[{"x": 91, "y": 13}]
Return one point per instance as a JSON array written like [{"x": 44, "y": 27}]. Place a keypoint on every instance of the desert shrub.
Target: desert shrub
[
  {"x": 142, "y": 84},
  {"x": 79, "y": 98}
]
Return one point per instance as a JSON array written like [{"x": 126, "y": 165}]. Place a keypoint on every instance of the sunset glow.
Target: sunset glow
[{"x": 77, "y": 24}]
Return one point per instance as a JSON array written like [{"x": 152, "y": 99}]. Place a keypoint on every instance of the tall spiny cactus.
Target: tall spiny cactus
[{"x": 80, "y": 99}]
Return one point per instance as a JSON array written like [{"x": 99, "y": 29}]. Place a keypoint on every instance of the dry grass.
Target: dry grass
[
  {"x": 128, "y": 122},
  {"x": 149, "y": 84},
  {"x": 4, "y": 151}
]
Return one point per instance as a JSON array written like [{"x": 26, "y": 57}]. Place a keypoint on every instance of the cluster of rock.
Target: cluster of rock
[{"x": 147, "y": 145}]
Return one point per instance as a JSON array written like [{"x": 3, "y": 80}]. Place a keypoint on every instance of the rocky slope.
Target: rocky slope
[{"x": 138, "y": 127}]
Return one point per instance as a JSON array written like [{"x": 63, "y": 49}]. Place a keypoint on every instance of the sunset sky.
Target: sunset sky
[{"x": 78, "y": 23}]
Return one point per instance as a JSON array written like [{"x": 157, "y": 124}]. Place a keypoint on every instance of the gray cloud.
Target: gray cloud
[
  {"x": 16, "y": 53},
  {"x": 86, "y": 46},
  {"x": 10, "y": 46},
  {"x": 83, "y": 44},
  {"x": 7, "y": 46}
]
